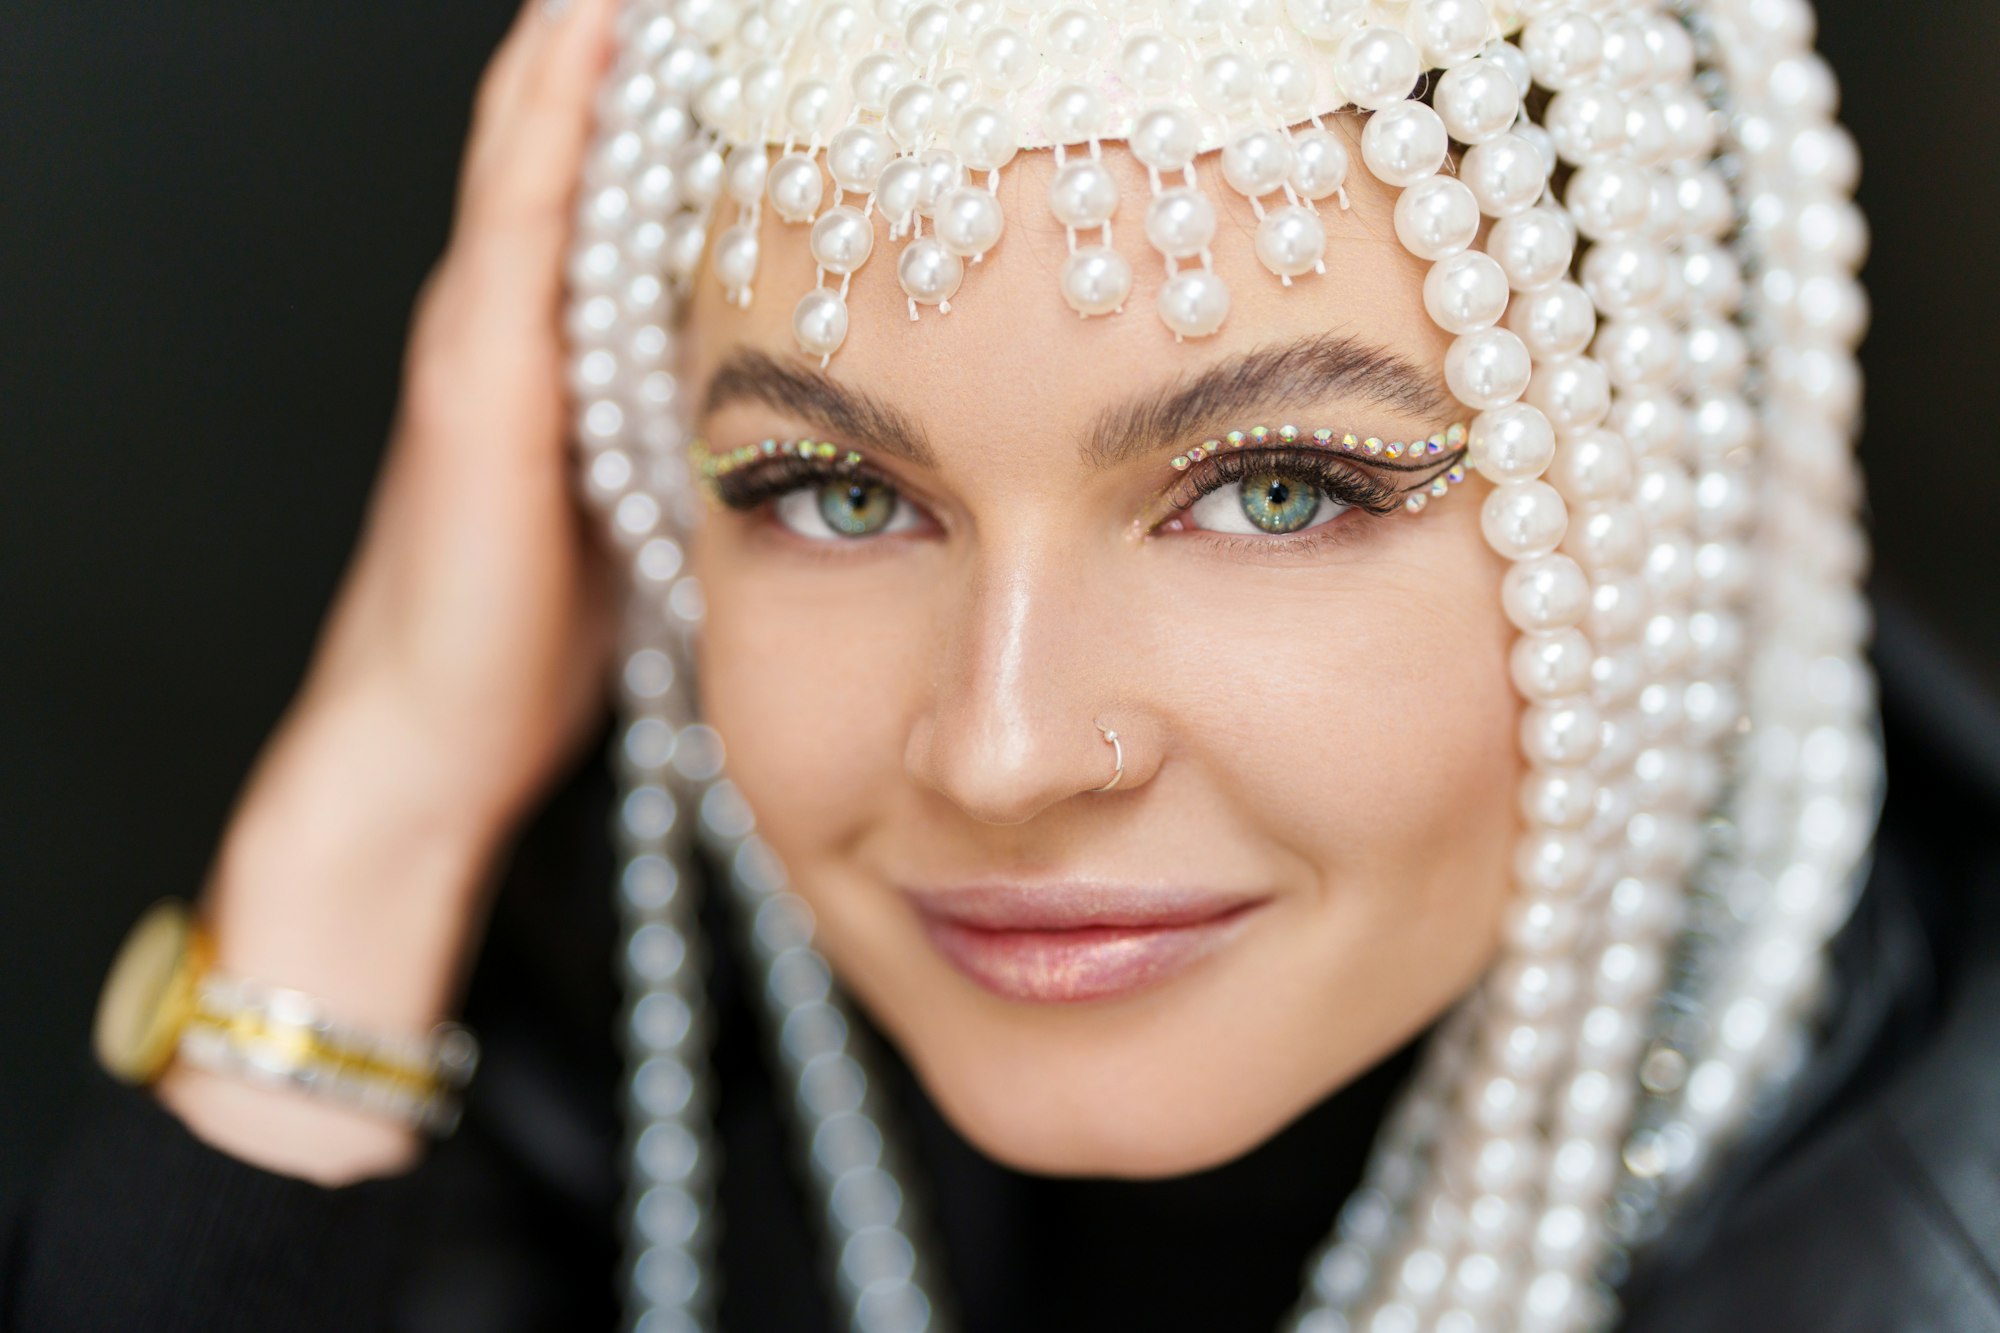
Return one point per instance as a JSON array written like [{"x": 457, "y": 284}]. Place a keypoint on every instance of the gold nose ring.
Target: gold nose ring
[{"x": 1117, "y": 756}]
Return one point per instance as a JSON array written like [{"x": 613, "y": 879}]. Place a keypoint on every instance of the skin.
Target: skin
[
  {"x": 1330, "y": 725},
  {"x": 1325, "y": 719}
]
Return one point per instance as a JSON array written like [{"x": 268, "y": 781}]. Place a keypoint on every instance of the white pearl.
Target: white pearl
[
  {"x": 1164, "y": 138},
  {"x": 1627, "y": 64},
  {"x": 1256, "y": 161},
  {"x": 1507, "y": 56},
  {"x": 1075, "y": 37},
  {"x": 1377, "y": 67},
  {"x": 1319, "y": 163},
  {"x": 1608, "y": 537},
  {"x": 819, "y": 321},
  {"x": 875, "y": 76},
  {"x": 1554, "y": 322},
  {"x": 1652, "y": 422},
  {"x": 1005, "y": 58},
  {"x": 1151, "y": 62},
  {"x": 795, "y": 187},
  {"x": 1404, "y": 143},
  {"x": 928, "y": 272},
  {"x": 1643, "y": 350},
  {"x": 1477, "y": 101},
  {"x": 1227, "y": 81},
  {"x": 1487, "y": 368},
  {"x": 1608, "y": 200},
  {"x": 1180, "y": 222},
  {"x": 1551, "y": 862},
  {"x": 736, "y": 256},
  {"x": 1436, "y": 217},
  {"x": 1194, "y": 302},
  {"x": 985, "y": 137},
  {"x": 1073, "y": 114},
  {"x": 1625, "y": 277},
  {"x": 1587, "y": 124},
  {"x": 1563, "y": 48},
  {"x": 1290, "y": 240},
  {"x": 1452, "y": 31},
  {"x": 1510, "y": 443},
  {"x": 1096, "y": 280},
  {"x": 968, "y": 220},
  {"x": 1593, "y": 465},
  {"x": 1551, "y": 661},
  {"x": 1522, "y": 519},
  {"x": 1533, "y": 248},
  {"x": 1561, "y": 733},
  {"x": 856, "y": 157},
  {"x": 1321, "y": 20},
  {"x": 746, "y": 172},
  {"x": 1549, "y": 592},
  {"x": 1083, "y": 193},
  {"x": 1288, "y": 88},
  {"x": 1506, "y": 174},
  {"x": 812, "y": 109},
  {"x": 1573, "y": 392},
  {"x": 841, "y": 239},
  {"x": 941, "y": 173},
  {"x": 914, "y": 112},
  {"x": 898, "y": 190},
  {"x": 1465, "y": 292}
]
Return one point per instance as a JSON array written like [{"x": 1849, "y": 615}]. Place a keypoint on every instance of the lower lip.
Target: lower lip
[{"x": 1085, "y": 963}]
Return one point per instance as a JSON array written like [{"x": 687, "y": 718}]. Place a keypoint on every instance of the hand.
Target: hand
[{"x": 464, "y": 659}]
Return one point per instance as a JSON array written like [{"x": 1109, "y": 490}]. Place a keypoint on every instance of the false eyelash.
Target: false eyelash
[
  {"x": 1343, "y": 481},
  {"x": 744, "y": 488}
]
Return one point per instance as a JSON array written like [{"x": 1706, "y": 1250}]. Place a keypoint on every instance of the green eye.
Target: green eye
[
  {"x": 1279, "y": 502},
  {"x": 856, "y": 508}
]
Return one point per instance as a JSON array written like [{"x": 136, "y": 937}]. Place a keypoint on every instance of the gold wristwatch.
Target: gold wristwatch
[{"x": 164, "y": 1000}]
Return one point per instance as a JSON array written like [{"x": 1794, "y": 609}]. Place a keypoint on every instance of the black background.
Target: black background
[{"x": 213, "y": 218}]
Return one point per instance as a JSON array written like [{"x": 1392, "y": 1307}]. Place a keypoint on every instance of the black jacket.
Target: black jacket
[{"x": 1873, "y": 1206}]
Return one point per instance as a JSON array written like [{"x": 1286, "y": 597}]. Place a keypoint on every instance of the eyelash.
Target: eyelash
[{"x": 746, "y": 488}]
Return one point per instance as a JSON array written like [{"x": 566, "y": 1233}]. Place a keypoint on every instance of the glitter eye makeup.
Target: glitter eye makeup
[
  {"x": 816, "y": 489},
  {"x": 1275, "y": 481}
]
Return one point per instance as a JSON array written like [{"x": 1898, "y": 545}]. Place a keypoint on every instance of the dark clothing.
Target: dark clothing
[{"x": 1874, "y": 1204}]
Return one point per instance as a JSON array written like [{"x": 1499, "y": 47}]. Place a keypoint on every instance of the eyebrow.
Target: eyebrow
[{"x": 1296, "y": 374}]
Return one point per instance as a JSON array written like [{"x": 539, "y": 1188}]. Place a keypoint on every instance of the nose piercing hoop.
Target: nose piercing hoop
[{"x": 1117, "y": 756}]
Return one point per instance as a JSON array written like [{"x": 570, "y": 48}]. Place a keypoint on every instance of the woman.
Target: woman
[{"x": 1126, "y": 699}]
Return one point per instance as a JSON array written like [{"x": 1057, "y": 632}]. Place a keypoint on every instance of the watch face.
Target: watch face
[{"x": 147, "y": 995}]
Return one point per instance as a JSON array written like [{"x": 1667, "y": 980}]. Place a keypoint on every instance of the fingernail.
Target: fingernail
[{"x": 554, "y": 9}]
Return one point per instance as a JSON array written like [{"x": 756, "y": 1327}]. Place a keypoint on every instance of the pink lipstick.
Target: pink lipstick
[{"x": 1066, "y": 942}]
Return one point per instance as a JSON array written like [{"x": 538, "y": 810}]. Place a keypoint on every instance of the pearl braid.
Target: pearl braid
[{"x": 1623, "y": 458}]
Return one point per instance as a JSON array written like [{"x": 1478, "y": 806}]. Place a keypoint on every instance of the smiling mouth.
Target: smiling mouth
[{"x": 1059, "y": 944}]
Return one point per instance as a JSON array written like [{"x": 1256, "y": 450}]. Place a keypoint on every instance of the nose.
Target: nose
[{"x": 1023, "y": 676}]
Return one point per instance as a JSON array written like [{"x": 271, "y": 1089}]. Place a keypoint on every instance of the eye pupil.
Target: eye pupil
[
  {"x": 1276, "y": 502},
  {"x": 856, "y": 508}
]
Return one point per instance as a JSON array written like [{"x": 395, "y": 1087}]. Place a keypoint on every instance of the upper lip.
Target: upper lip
[{"x": 1075, "y": 905}]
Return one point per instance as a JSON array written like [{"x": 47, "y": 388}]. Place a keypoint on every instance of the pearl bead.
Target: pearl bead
[
  {"x": 819, "y": 321},
  {"x": 736, "y": 256},
  {"x": 1180, "y": 222},
  {"x": 1075, "y": 37},
  {"x": 1506, "y": 174},
  {"x": 1593, "y": 465},
  {"x": 1083, "y": 193},
  {"x": 1194, "y": 302},
  {"x": 1073, "y": 114},
  {"x": 1587, "y": 124},
  {"x": 1551, "y": 661},
  {"x": 1256, "y": 162},
  {"x": 1227, "y": 81},
  {"x": 1551, "y": 863},
  {"x": 1609, "y": 200},
  {"x": 1534, "y": 248},
  {"x": 856, "y": 157},
  {"x": 914, "y": 112},
  {"x": 1625, "y": 277},
  {"x": 1319, "y": 163},
  {"x": 928, "y": 272},
  {"x": 1005, "y": 58},
  {"x": 1377, "y": 67},
  {"x": 1556, "y": 321},
  {"x": 1522, "y": 519},
  {"x": 1574, "y": 392},
  {"x": 1151, "y": 62},
  {"x": 795, "y": 187},
  {"x": 1465, "y": 292},
  {"x": 985, "y": 137},
  {"x": 1640, "y": 351},
  {"x": 1487, "y": 368},
  {"x": 1452, "y": 31},
  {"x": 898, "y": 190},
  {"x": 1563, "y": 48},
  {"x": 1321, "y": 20},
  {"x": 1557, "y": 797},
  {"x": 1477, "y": 101},
  {"x": 1096, "y": 280},
  {"x": 875, "y": 76},
  {"x": 841, "y": 239},
  {"x": 1546, "y": 593},
  {"x": 1404, "y": 143},
  {"x": 1288, "y": 88},
  {"x": 1290, "y": 240},
  {"x": 1436, "y": 217},
  {"x": 1164, "y": 138},
  {"x": 745, "y": 173},
  {"x": 1561, "y": 733},
  {"x": 968, "y": 220},
  {"x": 940, "y": 172},
  {"x": 1511, "y": 443}
]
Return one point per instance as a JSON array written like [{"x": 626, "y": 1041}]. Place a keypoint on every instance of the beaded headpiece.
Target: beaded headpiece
[{"x": 1655, "y": 334}]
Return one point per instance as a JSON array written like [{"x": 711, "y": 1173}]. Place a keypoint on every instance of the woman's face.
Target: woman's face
[{"x": 909, "y": 663}]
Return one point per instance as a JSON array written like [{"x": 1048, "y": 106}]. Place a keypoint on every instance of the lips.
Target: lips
[{"x": 1069, "y": 942}]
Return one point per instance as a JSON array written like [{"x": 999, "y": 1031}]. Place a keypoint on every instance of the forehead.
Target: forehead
[{"x": 1011, "y": 350}]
